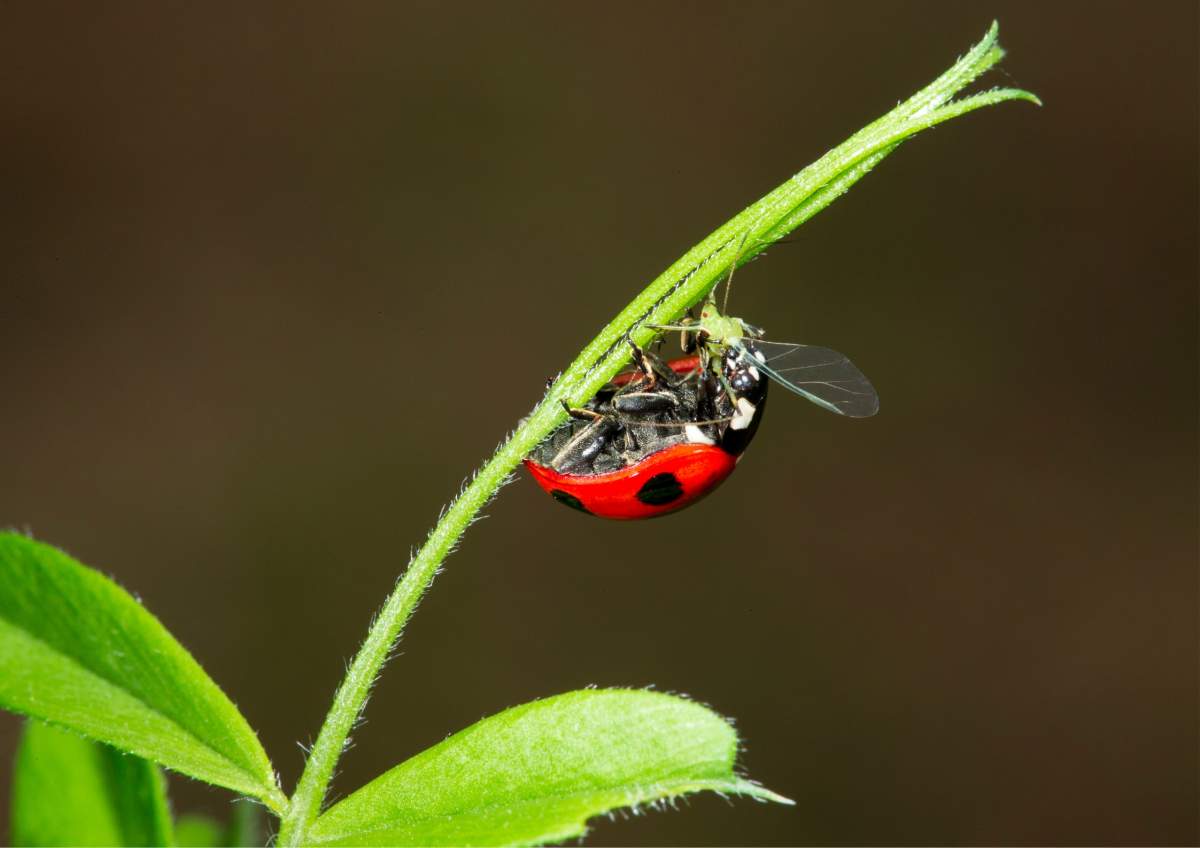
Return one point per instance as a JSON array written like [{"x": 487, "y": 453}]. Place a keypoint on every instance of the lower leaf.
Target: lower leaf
[
  {"x": 245, "y": 828},
  {"x": 193, "y": 831},
  {"x": 536, "y": 773},
  {"x": 69, "y": 791}
]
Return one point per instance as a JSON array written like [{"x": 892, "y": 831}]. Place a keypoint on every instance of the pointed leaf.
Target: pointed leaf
[
  {"x": 536, "y": 773},
  {"x": 70, "y": 791},
  {"x": 78, "y": 651}
]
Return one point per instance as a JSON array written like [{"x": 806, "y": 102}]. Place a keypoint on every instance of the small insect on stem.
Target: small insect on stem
[{"x": 664, "y": 435}]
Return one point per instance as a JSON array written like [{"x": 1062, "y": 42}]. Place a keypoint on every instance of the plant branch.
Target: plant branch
[{"x": 678, "y": 288}]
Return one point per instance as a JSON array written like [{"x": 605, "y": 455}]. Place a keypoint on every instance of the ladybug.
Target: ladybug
[
  {"x": 654, "y": 440},
  {"x": 661, "y": 437}
]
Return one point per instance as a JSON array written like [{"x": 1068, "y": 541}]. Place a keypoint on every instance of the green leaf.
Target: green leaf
[
  {"x": 69, "y": 791},
  {"x": 194, "y": 831},
  {"x": 78, "y": 651},
  {"x": 536, "y": 773}
]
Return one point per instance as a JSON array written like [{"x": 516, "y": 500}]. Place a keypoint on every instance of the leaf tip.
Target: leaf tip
[
  {"x": 1002, "y": 94},
  {"x": 991, "y": 38},
  {"x": 761, "y": 793}
]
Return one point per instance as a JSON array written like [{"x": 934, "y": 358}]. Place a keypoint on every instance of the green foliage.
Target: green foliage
[
  {"x": 78, "y": 651},
  {"x": 69, "y": 791},
  {"x": 244, "y": 828},
  {"x": 193, "y": 831},
  {"x": 536, "y": 773}
]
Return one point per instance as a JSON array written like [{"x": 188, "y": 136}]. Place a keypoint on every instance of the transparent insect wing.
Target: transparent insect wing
[{"x": 827, "y": 378}]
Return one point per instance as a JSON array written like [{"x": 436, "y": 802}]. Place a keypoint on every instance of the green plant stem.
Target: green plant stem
[{"x": 678, "y": 288}]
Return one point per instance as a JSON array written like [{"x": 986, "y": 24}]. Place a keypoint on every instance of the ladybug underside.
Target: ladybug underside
[{"x": 569, "y": 449}]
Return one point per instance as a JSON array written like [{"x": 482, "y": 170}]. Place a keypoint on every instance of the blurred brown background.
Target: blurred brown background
[{"x": 277, "y": 278}]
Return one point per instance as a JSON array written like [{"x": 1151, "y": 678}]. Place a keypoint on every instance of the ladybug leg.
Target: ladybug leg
[
  {"x": 583, "y": 448},
  {"x": 641, "y": 403},
  {"x": 688, "y": 339},
  {"x": 700, "y": 343},
  {"x": 580, "y": 413},
  {"x": 653, "y": 369},
  {"x": 643, "y": 364},
  {"x": 652, "y": 392}
]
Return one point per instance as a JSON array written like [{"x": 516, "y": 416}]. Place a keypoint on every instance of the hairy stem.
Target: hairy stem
[{"x": 678, "y": 288}]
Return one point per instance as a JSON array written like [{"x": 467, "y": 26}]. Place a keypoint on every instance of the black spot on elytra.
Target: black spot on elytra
[
  {"x": 660, "y": 489},
  {"x": 568, "y": 499}
]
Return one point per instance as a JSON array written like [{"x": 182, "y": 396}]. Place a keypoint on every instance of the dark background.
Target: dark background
[{"x": 276, "y": 278}]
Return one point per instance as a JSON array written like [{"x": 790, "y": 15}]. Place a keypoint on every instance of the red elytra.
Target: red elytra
[{"x": 663, "y": 482}]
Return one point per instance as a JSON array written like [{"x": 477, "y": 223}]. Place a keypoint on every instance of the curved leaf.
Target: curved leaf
[
  {"x": 536, "y": 773},
  {"x": 79, "y": 651},
  {"x": 69, "y": 791}
]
